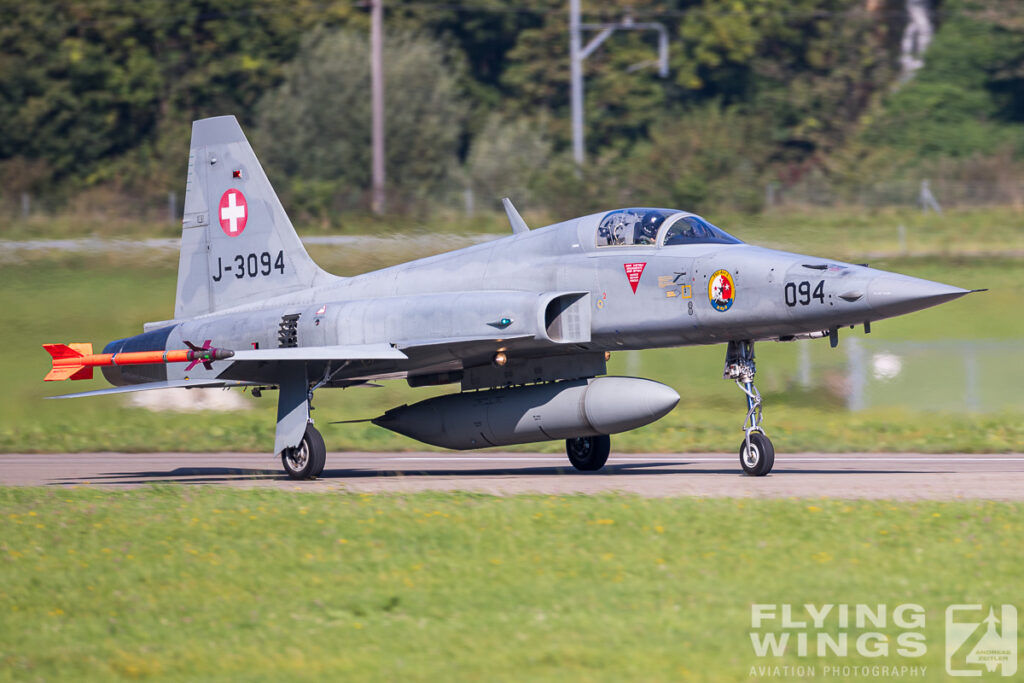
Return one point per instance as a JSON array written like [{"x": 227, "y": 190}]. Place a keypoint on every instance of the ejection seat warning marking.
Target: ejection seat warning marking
[
  {"x": 633, "y": 273},
  {"x": 233, "y": 212}
]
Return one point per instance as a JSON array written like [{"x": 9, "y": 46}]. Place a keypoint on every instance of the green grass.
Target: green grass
[
  {"x": 177, "y": 583},
  {"x": 88, "y": 298},
  {"x": 851, "y": 233}
]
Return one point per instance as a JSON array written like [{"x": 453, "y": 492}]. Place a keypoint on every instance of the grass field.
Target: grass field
[
  {"x": 191, "y": 583},
  {"x": 77, "y": 297},
  {"x": 185, "y": 584}
]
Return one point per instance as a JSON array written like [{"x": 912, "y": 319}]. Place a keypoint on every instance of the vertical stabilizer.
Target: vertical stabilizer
[{"x": 237, "y": 244}]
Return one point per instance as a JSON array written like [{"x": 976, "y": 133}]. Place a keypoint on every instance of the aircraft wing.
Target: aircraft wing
[
  {"x": 461, "y": 345},
  {"x": 319, "y": 353}
]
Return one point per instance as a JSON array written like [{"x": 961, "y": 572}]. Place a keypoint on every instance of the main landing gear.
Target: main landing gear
[
  {"x": 295, "y": 402},
  {"x": 588, "y": 453},
  {"x": 757, "y": 454},
  {"x": 308, "y": 459}
]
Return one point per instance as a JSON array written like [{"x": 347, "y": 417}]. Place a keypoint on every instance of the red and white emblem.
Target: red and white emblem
[
  {"x": 633, "y": 273},
  {"x": 233, "y": 212}
]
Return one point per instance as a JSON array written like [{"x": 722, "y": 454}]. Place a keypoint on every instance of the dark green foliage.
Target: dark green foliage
[
  {"x": 84, "y": 83},
  {"x": 96, "y": 98},
  {"x": 509, "y": 159},
  {"x": 314, "y": 129},
  {"x": 708, "y": 157},
  {"x": 967, "y": 99}
]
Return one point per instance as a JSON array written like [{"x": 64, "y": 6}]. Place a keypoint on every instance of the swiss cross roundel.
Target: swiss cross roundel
[{"x": 233, "y": 212}]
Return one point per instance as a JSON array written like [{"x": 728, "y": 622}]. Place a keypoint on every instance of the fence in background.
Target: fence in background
[
  {"x": 957, "y": 375},
  {"x": 931, "y": 195}
]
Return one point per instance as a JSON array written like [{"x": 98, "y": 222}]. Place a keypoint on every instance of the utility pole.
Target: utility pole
[
  {"x": 377, "y": 102},
  {"x": 578, "y": 54},
  {"x": 576, "y": 81}
]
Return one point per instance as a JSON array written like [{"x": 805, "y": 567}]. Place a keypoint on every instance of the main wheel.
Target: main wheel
[
  {"x": 759, "y": 460},
  {"x": 588, "y": 453},
  {"x": 308, "y": 459}
]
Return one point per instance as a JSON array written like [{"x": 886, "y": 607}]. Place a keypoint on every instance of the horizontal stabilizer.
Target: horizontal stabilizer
[
  {"x": 314, "y": 353},
  {"x": 148, "y": 386}
]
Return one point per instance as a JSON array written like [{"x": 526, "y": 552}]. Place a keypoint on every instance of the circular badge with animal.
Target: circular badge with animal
[{"x": 721, "y": 290}]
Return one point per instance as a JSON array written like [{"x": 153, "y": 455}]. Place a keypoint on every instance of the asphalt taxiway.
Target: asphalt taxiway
[{"x": 906, "y": 476}]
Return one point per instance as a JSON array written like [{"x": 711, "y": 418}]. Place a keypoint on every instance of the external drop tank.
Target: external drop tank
[{"x": 540, "y": 412}]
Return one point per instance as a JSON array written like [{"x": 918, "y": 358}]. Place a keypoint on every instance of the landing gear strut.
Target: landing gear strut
[
  {"x": 295, "y": 402},
  {"x": 757, "y": 454}
]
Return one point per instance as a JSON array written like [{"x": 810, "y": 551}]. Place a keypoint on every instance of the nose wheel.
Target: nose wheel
[{"x": 757, "y": 454}]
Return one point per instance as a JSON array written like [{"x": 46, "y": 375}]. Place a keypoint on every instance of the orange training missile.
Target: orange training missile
[{"x": 76, "y": 361}]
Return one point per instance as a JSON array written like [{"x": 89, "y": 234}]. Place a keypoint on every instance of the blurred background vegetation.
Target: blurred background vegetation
[
  {"x": 767, "y": 102},
  {"x": 806, "y": 125}
]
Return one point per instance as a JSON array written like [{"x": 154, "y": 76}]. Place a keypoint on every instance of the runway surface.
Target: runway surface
[{"x": 860, "y": 475}]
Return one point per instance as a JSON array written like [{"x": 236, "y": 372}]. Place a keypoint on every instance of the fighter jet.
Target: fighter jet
[{"x": 522, "y": 325}]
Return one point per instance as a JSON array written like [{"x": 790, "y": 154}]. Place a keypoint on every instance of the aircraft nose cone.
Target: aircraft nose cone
[{"x": 892, "y": 294}]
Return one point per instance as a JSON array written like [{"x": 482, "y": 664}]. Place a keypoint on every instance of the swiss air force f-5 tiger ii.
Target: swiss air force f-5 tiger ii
[{"x": 524, "y": 323}]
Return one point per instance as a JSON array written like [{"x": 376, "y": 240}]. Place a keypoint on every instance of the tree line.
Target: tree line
[{"x": 98, "y": 97}]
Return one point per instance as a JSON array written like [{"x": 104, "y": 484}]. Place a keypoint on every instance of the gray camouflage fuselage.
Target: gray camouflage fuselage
[
  {"x": 460, "y": 295},
  {"x": 534, "y": 307}
]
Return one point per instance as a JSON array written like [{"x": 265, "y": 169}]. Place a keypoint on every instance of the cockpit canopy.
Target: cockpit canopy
[{"x": 641, "y": 227}]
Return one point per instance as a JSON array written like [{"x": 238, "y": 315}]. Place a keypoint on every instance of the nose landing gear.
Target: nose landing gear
[{"x": 757, "y": 454}]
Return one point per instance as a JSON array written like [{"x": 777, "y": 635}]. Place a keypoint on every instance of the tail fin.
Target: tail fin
[
  {"x": 68, "y": 370},
  {"x": 237, "y": 244}
]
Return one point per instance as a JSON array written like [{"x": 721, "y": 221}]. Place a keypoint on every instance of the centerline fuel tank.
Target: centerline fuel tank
[{"x": 540, "y": 412}]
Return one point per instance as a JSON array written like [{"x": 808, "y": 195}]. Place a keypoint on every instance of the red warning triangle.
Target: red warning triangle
[{"x": 633, "y": 273}]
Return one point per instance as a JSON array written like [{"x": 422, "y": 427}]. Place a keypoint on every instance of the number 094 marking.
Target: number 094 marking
[{"x": 801, "y": 293}]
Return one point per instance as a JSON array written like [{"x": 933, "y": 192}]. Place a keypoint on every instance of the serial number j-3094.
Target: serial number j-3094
[{"x": 250, "y": 265}]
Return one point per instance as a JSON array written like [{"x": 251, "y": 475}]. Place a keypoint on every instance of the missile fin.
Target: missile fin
[
  {"x": 83, "y": 373},
  {"x": 64, "y": 352},
  {"x": 68, "y": 372},
  {"x": 58, "y": 351},
  {"x": 62, "y": 373}
]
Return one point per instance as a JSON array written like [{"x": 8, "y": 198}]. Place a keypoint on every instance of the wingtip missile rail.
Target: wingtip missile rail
[{"x": 76, "y": 361}]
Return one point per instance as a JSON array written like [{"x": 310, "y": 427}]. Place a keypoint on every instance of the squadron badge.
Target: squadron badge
[{"x": 721, "y": 290}]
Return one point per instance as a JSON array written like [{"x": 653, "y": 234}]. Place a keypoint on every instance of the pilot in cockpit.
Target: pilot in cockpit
[{"x": 646, "y": 229}]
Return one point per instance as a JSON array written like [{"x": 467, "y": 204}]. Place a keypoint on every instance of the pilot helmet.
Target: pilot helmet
[{"x": 648, "y": 225}]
